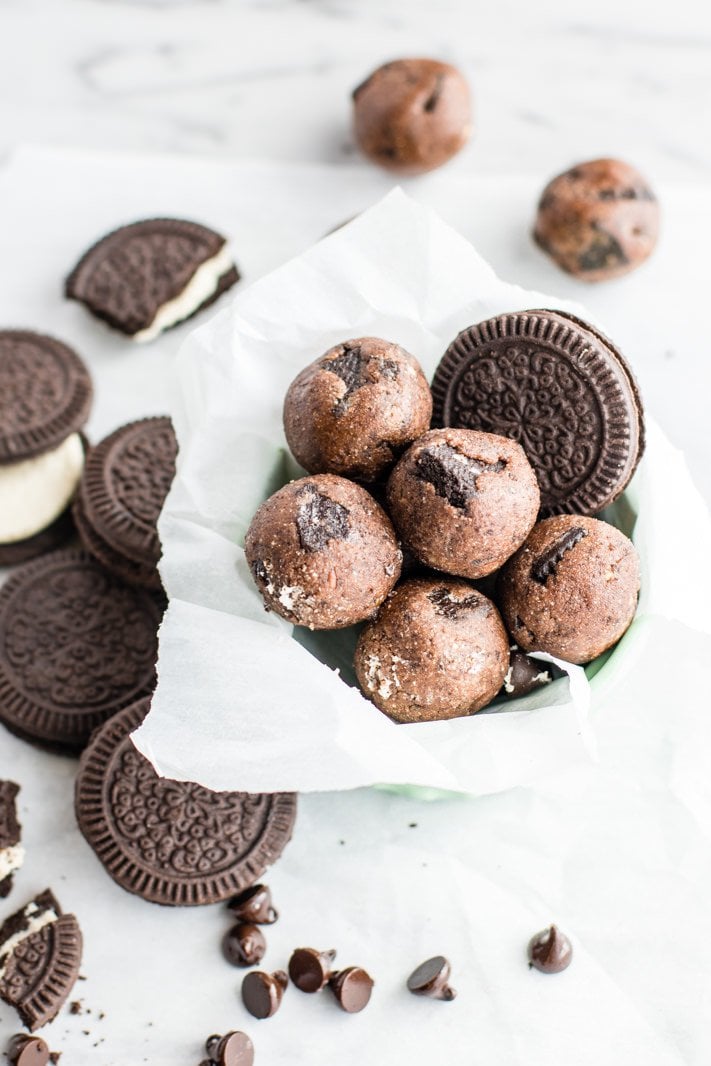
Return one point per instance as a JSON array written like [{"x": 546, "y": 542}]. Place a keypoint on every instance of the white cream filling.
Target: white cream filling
[
  {"x": 201, "y": 286},
  {"x": 35, "y": 491},
  {"x": 11, "y": 859},
  {"x": 43, "y": 918}
]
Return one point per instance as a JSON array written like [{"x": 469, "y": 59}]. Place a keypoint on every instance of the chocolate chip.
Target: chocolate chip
[
  {"x": 453, "y": 475},
  {"x": 262, "y": 992},
  {"x": 446, "y": 605},
  {"x": 310, "y": 970},
  {"x": 235, "y": 1049},
  {"x": 352, "y": 988},
  {"x": 26, "y": 1050},
  {"x": 524, "y": 674},
  {"x": 603, "y": 251},
  {"x": 550, "y": 951},
  {"x": 254, "y": 904},
  {"x": 319, "y": 520},
  {"x": 433, "y": 99},
  {"x": 431, "y": 978},
  {"x": 546, "y": 564},
  {"x": 349, "y": 367},
  {"x": 244, "y": 944},
  {"x": 211, "y": 1045}
]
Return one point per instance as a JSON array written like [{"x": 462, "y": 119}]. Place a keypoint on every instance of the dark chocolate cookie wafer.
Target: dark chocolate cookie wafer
[
  {"x": 76, "y": 646},
  {"x": 11, "y": 851},
  {"x": 54, "y": 536},
  {"x": 558, "y": 387},
  {"x": 124, "y": 568},
  {"x": 148, "y": 276},
  {"x": 172, "y": 842},
  {"x": 125, "y": 482},
  {"x": 45, "y": 394},
  {"x": 40, "y": 955}
]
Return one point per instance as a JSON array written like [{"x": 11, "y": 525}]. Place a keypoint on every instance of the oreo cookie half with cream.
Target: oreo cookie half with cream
[
  {"x": 12, "y": 853},
  {"x": 40, "y": 955},
  {"x": 45, "y": 399},
  {"x": 146, "y": 277}
]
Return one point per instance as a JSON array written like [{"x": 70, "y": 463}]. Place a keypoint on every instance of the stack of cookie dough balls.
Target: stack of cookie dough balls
[{"x": 325, "y": 554}]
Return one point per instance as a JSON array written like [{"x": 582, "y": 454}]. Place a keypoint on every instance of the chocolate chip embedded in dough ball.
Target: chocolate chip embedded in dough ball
[
  {"x": 356, "y": 408},
  {"x": 463, "y": 501},
  {"x": 437, "y": 649},
  {"x": 572, "y": 588},
  {"x": 598, "y": 220},
  {"x": 322, "y": 552},
  {"x": 412, "y": 115}
]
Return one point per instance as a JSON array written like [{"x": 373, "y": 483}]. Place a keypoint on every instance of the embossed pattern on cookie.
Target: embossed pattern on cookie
[
  {"x": 559, "y": 388},
  {"x": 76, "y": 645},
  {"x": 172, "y": 842}
]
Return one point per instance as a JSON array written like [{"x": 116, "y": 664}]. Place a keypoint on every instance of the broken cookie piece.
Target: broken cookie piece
[
  {"x": 12, "y": 853},
  {"x": 40, "y": 955},
  {"x": 147, "y": 277}
]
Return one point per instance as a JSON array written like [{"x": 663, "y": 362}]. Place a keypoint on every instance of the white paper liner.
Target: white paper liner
[{"x": 240, "y": 704}]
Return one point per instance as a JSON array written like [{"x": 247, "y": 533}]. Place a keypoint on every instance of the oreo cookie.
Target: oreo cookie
[
  {"x": 12, "y": 854},
  {"x": 558, "y": 387},
  {"x": 172, "y": 842},
  {"x": 125, "y": 483},
  {"x": 40, "y": 955},
  {"x": 45, "y": 400},
  {"x": 147, "y": 277},
  {"x": 76, "y": 646}
]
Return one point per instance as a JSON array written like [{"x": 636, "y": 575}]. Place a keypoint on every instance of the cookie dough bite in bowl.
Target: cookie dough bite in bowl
[
  {"x": 598, "y": 220},
  {"x": 412, "y": 115},
  {"x": 437, "y": 649},
  {"x": 322, "y": 553},
  {"x": 356, "y": 408},
  {"x": 463, "y": 501},
  {"x": 572, "y": 588}
]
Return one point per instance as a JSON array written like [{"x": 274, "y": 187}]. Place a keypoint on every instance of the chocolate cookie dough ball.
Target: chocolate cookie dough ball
[
  {"x": 598, "y": 220},
  {"x": 323, "y": 553},
  {"x": 354, "y": 410},
  {"x": 437, "y": 649},
  {"x": 572, "y": 588},
  {"x": 412, "y": 115},
  {"x": 463, "y": 501}
]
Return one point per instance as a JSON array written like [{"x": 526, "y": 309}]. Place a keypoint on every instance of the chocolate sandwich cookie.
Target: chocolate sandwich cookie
[
  {"x": 76, "y": 646},
  {"x": 40, "y": 955},
  {"x": 12, "y": 854},
  {"x": 146, "y": 277},
  {"x": 45, "y": 399},
  {"x": 172, "y": 842},
  {"x": 123, "y": 488},
  {"x": 558, "y": 387}
]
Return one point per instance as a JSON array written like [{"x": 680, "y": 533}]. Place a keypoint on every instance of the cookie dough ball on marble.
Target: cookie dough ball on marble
[
  {"x": 463, "y": 501},
  {"x": 572, "y": 588},
  {"x": 437, "y": 649},
  {"x": 323, "y": 553},
  {"x": 598, "y": 220},
  {"x": 354, "y": 410},
  {"x": 412, "y": 115}
]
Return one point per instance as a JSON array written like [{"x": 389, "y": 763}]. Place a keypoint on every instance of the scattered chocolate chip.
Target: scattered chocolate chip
[
  {"x": 546, "y": 564},
  {"x": 431, "y": 979},
  {"x": 550, "y": 951},
  {"x": 26, "y": 1050},
  {"x": 235, "y": 1049},
  {"x": 262, "y": 992},
  {"x": 254, "y": 904},
  {"x": 244, "y": 944},
  {"x": 75, "y": 1007},
  {"x": 319, "y": 520},
  {"x": 524, "y": 674},
  {"x": 352, "y": 988},
  {"x": 211, "y": 1045},
  {"x": 55, "y": 1056},
  {"x": 453, "y": 475},
  {"x": 310, "y": 970}
]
